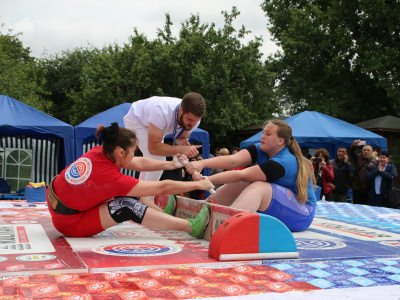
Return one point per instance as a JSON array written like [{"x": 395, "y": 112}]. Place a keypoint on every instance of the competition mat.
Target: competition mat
[
  {"x": 343, "y": 230},
  {"x": 347, "y": 246}
]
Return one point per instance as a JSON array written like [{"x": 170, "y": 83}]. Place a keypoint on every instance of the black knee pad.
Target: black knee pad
[{"x": 124, "y": 209}]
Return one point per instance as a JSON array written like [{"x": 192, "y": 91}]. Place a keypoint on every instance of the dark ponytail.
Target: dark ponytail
[
  {"x": 113, "y": 136},
  {"x": 110, "y": 133}
]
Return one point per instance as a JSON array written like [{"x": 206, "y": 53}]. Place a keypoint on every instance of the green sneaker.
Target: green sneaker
[
  {"x": 171, "y": 204},
  {"x": 200, "y": 222}
]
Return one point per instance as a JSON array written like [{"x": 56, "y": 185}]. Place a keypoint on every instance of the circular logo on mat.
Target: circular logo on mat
[
  {"x": 79, "y": 171},
  {"x": 137, "y": 250},
  {"x": 45, "y": 289},
  {"x": 313, "y": 244},
  {"x": 184, "y": 292},
  {"x": 36, "y": 257},
  {"x": 133, "y": 295}
]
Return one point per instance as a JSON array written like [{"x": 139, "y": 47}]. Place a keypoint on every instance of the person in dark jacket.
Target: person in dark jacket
[
  {"x": 382, "y": 176},
  {"x": 342, "y": 170},
  {"x": 363, "y": 162}
]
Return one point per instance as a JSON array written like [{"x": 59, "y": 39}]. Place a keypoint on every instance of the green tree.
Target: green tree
[
  {"x": 338, "y": 57},
  {"x": 237, "y": 86},
  {"x": 19, "y": 76},
  {"x": 63, "y": 73},
  {"x": 87, "y": 81}
]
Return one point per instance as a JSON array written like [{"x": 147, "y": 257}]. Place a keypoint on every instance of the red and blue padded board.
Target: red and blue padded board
[{"x": 249, "y": 232}]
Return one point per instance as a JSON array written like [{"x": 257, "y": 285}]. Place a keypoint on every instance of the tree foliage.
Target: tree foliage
[
  {"x": 237, "y": 86},
  {"x": 338, "y": 57},
  {"x": 19, "y": 76},
  {"x": 63, "y": 73}
]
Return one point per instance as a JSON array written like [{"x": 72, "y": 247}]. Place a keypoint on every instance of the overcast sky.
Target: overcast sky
[{"x": 56, "y": 25}]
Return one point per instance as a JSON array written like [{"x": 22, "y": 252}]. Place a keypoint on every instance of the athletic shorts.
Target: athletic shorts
[
  {"x": 285, "y": 207},
  {"x": 82, "y": 224}
]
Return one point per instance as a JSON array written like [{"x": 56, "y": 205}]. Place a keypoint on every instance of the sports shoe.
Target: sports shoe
[
  {"x": 200, "y": 222},
  {"x": 171, "y": 204}
]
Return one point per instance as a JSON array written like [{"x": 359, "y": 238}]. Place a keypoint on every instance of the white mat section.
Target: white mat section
[
  {"x": 379, "y": 292},
  {"x": 23, "y": 239}
]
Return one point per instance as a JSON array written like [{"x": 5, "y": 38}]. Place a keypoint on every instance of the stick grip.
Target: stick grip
[{"x": 184, "y": 162}]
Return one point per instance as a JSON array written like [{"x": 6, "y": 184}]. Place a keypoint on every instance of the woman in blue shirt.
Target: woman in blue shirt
[{"x": 279, "y": 185}]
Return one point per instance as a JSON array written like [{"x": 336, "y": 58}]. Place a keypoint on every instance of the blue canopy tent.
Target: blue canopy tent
[
  {"x": 85, "y": 131},
  {"x": 24, "y": 127},
  {"x": 317, "y": 130}
]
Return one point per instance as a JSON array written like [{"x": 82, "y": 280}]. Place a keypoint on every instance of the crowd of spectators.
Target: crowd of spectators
[{"x": 365, "y": 174}]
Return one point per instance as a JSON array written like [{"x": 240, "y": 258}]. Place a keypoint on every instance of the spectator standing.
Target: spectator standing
[
  {"x": 342, "y": 170},
  {"x": 224, "y": 151},
  {"x": 217, "y": 151},
  {"x": 375, "y": 155},
  {"x": 323, "y": 171},
  {"x": 382, "y": 177},
  {"x": 234, "y": 150},
  {"x": 306, "y": 152},
  {"x": 363, "y": 162}
]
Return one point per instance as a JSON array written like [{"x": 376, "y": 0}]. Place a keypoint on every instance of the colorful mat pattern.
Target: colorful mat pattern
[
  {"x": 193, "y": 283},
  {"x": 184, "y": 283},
  {"x": 347, "y": 246}
]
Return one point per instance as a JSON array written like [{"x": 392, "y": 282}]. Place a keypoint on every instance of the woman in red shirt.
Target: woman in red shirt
[
  {"x": 323, "y": 171},
  {"x": 92, "y": 194}
]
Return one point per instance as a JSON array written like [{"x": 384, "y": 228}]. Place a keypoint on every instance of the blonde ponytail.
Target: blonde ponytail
[{"x": 305, "y": 171}]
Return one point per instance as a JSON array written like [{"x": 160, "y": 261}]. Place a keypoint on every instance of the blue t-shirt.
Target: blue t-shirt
[{"x": 289, "y": 163}]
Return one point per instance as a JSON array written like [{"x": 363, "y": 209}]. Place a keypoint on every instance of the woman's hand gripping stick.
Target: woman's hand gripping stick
[{"x": 184, "y": 162}]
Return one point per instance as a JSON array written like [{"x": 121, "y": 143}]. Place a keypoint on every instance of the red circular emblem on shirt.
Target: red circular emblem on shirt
[{"x": 79, "y": 171}]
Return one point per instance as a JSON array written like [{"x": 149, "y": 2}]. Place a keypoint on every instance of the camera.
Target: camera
[
  {"x": 362, "y": 143},
  {"x": 317, "y": 160}
]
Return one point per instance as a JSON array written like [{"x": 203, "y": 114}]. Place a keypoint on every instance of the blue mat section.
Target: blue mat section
[
  {"x": 346, "y": 231},
  {"x": 345, "y": 273},
  {"x": 347, "y": 246}
]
